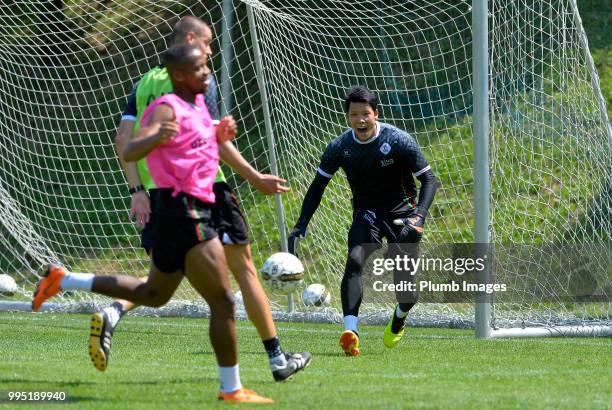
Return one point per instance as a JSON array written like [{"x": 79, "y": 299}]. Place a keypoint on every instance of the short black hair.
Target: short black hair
[
  {"x": 186, "y": 25},
  {"x": 360, "y": 94},
  {"x": 180, "y": 55}
]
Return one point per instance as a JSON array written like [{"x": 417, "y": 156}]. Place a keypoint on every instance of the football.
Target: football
[
  {"x": 316, "y": 295},
  {"x": 8, "y": 286},
  {"x": 282, "y": 272}
]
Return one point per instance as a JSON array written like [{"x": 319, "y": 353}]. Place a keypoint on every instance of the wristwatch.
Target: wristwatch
[{"x": 137, "y": 188}]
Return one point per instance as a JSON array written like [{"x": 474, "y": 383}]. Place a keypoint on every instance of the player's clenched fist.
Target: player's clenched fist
[
  {"x": 167, "y": 131},
  {"x": 227, "y": 129}
]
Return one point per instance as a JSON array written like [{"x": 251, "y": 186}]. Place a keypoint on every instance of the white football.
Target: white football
[
  {"x": 316, "y": 295},
  {"x": 282, "y": 272},
  {"x": 8, "y": 286}
]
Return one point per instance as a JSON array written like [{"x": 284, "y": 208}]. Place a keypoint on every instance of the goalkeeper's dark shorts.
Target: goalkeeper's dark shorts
[
  {"x": 227, "y": 219},
  {"x": 370, "y": 226},
  {"x": 178, "y": 224}
]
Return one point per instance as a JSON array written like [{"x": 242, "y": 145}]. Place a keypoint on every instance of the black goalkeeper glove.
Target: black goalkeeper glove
[
  {"x": 296, "y": 234},
  {"x": 412, "y": 231}
]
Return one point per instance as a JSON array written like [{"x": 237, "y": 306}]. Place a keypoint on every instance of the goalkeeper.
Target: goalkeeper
[{"x": 379, "y": 161}]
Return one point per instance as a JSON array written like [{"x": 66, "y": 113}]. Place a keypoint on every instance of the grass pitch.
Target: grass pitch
[{"x": 167, "y": 363}]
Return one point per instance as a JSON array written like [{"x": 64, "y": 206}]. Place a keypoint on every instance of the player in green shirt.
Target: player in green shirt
[{"x": 227, "y": 216}]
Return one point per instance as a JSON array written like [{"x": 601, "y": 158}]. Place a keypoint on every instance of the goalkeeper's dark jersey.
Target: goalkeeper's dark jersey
[{"x": 379, "y": 171}]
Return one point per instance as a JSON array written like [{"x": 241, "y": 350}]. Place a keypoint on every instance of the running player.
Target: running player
[
  {"x": 181, "y": 145},
  {"x": 379, "y": 161},
  {"x": 228, "y": 219}
]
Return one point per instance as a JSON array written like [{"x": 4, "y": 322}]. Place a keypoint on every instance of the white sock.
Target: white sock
[
  {"x": 279, "y": 360},
  {"x": 350, "y": 323},
  {"x": 230, "y": 378},
  {"x": 400, "y": 313},
  {"x": 113, "y": 315},
  {"x": 77, "y": 281}
]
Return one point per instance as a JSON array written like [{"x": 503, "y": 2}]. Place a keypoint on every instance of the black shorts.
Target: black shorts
[
  {"x": 178, "y": 224},
  {"x": 146, "y": 238},
  {"x": 228, "y": 219},
  {"x": 372, "y": 225}
]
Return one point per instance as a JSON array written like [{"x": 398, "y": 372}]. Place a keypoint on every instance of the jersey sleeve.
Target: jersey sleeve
[
  {"x": 211, "y": 99},
  {"x": 130, "y": 112},
  {"x": 410, "y": 154},
  {"x": 330, "y": 160}
]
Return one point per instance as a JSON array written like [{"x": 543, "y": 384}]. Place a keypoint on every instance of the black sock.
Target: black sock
[
  {"x": 273, "y": 347},
  {"x": 398, "y": 323}
]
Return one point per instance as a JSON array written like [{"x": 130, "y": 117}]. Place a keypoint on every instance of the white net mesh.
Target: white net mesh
[
  {"x": 66, "y": 75},
  {"x": 550, "y": 156}
]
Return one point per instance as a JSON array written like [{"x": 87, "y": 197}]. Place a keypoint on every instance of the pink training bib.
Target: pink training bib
[{"x": 188, "y": 163}]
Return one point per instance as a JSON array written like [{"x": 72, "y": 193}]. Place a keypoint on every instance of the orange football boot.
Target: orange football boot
[
  {"x": 245, "y": 396},
  {"x": 349, "y": 342},
  {"x": 48, "y": 286}
]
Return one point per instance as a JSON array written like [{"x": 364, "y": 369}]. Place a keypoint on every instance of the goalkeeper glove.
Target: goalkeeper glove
[
  {"x": 296, "y": 234},
  {"x": 412, "y": 230}
]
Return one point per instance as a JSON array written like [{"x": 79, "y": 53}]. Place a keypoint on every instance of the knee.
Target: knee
[
  {"x": 354, "y": 261},
  {"x": 223, "y": 304},
  {"x": 155, "y": 298},
  {"x": 159, "y": 300},
  {"x": 355, "y": 257}
]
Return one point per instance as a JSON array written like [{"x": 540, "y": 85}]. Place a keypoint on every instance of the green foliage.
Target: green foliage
[{"x": 597, "y": 24}]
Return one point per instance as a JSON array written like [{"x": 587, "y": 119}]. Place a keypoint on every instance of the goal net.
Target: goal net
[{"x": 67, "y": 70}]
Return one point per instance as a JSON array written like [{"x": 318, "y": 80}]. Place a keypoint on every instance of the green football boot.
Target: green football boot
[{"x": 391, "y": 339}]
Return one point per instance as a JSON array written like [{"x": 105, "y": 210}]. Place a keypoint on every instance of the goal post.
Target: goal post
[
  {"x": 482, "y": 192},
  {"x": 557, "y": 137},
  {"x": 502, "y": 97},
  {"x": 280, "y": 211}
]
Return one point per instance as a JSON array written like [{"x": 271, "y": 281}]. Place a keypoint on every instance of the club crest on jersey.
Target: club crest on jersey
[
  {"x": 385, "y": 148},
  {"x": 370, "y": 216}
]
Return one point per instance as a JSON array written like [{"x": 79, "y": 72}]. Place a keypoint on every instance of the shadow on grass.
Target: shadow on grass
[{"x": 240, "y": 353}]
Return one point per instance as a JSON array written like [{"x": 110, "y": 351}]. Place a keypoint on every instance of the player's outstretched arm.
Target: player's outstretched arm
[
  {"x": 413, "y": 224},
  {"x": 161, "y": 128},
  {"x": 267, "y": 184},
  {"x": 226, "y": 130},
  {"x": 140, "y": 208},
  {"x": 427, "y": 191},
  {"x": 311, "y": 202}
]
